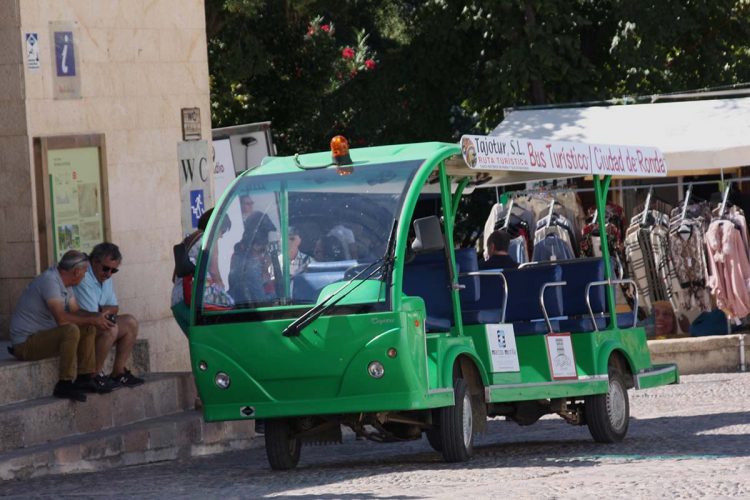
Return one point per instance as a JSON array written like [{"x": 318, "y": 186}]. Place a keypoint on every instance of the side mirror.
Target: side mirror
[{"x": 429, "y": 236}]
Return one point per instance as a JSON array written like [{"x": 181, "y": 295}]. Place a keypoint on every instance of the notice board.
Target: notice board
[{"x": 71, "y": 194}]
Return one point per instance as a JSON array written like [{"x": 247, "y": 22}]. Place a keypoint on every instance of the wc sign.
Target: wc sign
[{"x": 67, "y": 74}]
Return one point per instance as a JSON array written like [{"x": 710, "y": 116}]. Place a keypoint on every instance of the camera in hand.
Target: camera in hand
[{"x": 112, "y": 318}]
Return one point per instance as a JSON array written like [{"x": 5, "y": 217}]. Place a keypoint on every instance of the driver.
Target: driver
[
  {"x": 329, "y": 249},
  {"x": 298, "y": 260}
]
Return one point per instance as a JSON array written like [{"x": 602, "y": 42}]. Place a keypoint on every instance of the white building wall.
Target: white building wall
[{"x": 140, "y": 62}]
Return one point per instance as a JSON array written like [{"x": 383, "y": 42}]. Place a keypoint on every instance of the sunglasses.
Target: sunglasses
[{"x": 107, "y": 269}]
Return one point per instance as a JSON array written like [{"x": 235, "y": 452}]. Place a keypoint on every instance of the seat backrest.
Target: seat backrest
[
  {"x": 579, "y": 273},
  {"x": 426, "y": 276},
  {"x": 491, "y": 293},
  {"x": 467, "y": 262},
  {"x": 524, "y": 286}
]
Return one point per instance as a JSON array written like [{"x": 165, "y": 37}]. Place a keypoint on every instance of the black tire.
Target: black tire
[
  {"x": 457, "y": 426},
  {"x": 433, "y": 437},
  {"x": 282, "y": 448},
  {"x": 608, "y": 415}
]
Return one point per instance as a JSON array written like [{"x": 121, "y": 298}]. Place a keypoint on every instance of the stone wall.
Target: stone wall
[
  {"x": 17, "y": 248},
  {"x": 715, "y": 354},
  {"x": 140, "y": 62}
]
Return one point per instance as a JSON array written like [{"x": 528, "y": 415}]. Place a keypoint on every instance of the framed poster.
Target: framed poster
[
  {"x": 71, "y": 195},
  {"x": 562, "y": 361}
]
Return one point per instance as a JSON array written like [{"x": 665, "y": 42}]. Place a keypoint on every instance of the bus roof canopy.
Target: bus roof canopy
[{"x": 694, "y": 135}]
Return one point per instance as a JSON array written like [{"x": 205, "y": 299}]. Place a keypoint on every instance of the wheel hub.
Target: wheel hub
[
  {"x": 467, "y": 419},
  {"x": 616, "y": 405}
]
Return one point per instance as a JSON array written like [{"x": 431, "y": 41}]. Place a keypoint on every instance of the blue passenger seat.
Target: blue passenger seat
[
  {"x": 524, "y": 309},
  {"x": 467, "y": 261},
  {"x": 578, "y": 274},
  {"x": 426, "y": 276}
]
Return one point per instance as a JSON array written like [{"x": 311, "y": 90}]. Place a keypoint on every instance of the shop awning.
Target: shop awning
[{"x": 694, "y": 136}]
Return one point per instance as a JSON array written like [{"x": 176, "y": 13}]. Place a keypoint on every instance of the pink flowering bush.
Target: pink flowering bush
[{"x": 345, "y": 62}]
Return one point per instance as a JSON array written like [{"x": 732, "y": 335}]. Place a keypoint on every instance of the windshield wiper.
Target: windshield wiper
[{"x": 293, "y": 330}]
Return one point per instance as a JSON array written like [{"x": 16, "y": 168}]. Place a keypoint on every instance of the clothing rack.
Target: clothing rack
[
  {"x": 551, "y": 192},
  {"x": 647, "y": 205},
  {"x": 687, "y": 201},
  {"x": 549, "y": 215},
  {"x": 507, "y": 214},
  {"x": 724, "y": 199},
  {"x": 526, "y": 192}
]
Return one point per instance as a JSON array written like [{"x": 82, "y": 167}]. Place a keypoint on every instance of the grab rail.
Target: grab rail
[
  {"x": 611, "y": 282},
  {"x": 541, "y": 300},
  {"x": 490, "y": 272}
]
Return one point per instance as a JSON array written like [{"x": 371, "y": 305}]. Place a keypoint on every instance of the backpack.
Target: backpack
[{"x": 183, "y": 266}]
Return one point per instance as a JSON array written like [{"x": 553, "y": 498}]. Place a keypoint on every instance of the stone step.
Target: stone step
[
  {"x": 25, "y": 380},
  {"x": 36, "y": 421},
  {"x": 177, "y": 436}
]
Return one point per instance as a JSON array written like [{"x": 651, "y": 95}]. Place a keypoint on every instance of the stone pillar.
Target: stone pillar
[{"x": 17, "y": 248}]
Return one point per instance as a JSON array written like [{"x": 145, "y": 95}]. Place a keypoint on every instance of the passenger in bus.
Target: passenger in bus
[
  {"x": 213, "y": 292},
  {"x": 329, "y": 249},
  {"x": 246, "y": 206},
  {"x": 348, "y": 242},
  {"x": 252, "y": 270},
  {"x": 497, "y": 246},
  {"x": 298, "y": 260}
]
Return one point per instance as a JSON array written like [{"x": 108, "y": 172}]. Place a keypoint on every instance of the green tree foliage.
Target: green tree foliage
[
  {"x": 265, "y": 66},
  {"x": 660, "y": 47},
  {"x": 394, "y": 71},
  {"x": 439, "y": 68}
]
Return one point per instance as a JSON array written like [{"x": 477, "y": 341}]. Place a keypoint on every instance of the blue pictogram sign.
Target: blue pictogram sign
[
  {"x": 65, "y": 58},
  {"x": 197, "y": 206}
]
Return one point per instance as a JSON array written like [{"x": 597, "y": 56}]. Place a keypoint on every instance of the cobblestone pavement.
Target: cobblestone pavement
[{"x": 686, "y": 441}]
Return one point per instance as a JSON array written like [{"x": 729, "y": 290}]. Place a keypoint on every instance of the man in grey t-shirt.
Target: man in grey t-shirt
[{"x": 47, "y": 322}]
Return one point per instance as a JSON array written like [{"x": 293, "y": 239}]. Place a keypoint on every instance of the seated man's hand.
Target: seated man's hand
[{"x": 102, "y": 323}]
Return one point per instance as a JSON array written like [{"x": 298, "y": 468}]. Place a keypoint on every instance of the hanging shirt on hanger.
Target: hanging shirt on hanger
[
  {"x": 730, "y": 268},
  {"x": 687, "y": 248},
  {"x": 552, "y": 247}
]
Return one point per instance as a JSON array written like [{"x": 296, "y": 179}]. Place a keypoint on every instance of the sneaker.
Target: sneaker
[
  {"x": 67, "y": 390},
  {"x": 127, "y": 379},
  {"x": 95, "y": 383}
]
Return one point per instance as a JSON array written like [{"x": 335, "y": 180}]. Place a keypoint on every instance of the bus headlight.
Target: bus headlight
[
  {"x": 375, "y": 369},
  {"x": 203, "y": 366},
  {"x": 222, "y": 380}
]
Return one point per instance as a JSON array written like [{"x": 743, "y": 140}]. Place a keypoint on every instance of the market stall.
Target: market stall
[{"x": 668, "y": 238}]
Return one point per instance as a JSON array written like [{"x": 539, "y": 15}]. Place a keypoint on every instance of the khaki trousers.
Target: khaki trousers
[{"x": 74, "y": 344}]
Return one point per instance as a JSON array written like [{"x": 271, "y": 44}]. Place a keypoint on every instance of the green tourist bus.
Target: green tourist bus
[{"x": 329, "y": 293}]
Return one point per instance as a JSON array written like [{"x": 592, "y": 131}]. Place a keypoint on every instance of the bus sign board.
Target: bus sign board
[{"x": 565, "y": 158}]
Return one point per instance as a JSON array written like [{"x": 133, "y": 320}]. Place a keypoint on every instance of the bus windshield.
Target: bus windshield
[{"x": 279, "y": 239}]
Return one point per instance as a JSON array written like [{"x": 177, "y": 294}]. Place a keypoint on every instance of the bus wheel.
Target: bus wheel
[
  {"x": 608, "y": 415},
  {"x": 433, "y": 434},
  {"x": 457, "y": 426},
  {"x": 282, "y": 448}
]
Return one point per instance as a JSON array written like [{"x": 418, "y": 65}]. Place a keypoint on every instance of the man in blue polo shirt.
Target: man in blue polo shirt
[{"x": 96, "y": 293}]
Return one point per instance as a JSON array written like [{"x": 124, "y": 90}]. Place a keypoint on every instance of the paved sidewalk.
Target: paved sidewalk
[{"x": 685, "y": 441}]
